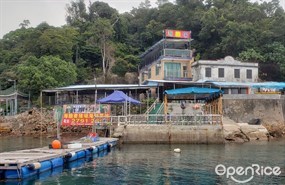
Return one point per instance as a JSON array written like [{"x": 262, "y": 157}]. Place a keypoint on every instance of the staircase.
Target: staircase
[{"x": 156, "y": 110}]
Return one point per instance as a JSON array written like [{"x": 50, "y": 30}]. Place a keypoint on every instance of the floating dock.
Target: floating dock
[{"x": 26, "y": 163}]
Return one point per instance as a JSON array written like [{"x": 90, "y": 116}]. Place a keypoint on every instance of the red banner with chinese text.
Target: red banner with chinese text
[
  {"x": 177, "y": 34},
  {"x": 84, "y": 119}
]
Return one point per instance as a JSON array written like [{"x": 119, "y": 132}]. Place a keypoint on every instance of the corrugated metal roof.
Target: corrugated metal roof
[
  {"x": 100, "y": 86},
  {"x": 231, "y": 84}
]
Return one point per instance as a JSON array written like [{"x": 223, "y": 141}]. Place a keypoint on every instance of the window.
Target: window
[
  {"x": 243, "y": 91},
  {"x": 234, "y": 91},
  {"x": 221, "y": 73},
  {"x": 172, "y": 69},
  {"x": 157, "y": 66},
  {"x": 226, "y": 91},
  {"x": 149, "y": 73},
  {"x": 208, "y": 72},
  {"x": 185, "y": 72},
  {"x": 249, "y": 74},
  {"x": 237, "y": 73}
]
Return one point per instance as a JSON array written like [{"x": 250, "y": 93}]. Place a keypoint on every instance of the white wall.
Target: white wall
[{"x": 229, "y": 65}]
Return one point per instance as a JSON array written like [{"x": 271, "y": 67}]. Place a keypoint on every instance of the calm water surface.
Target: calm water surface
[{"x": 158, "y": 164}]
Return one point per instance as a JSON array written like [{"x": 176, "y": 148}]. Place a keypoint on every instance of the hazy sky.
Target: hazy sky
[{"x": 13, "y": 12}]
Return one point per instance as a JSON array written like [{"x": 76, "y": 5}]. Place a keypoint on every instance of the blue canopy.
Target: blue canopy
[
  {"x": 193, "y": 90},
  {"x": 118, "y": 97},
  {"x": 274, "y": 85}
]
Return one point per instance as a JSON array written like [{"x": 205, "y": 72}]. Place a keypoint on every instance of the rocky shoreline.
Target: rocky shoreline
[
  {"x": 245, "y": 132},
  {"x": 33, "y": 123}
]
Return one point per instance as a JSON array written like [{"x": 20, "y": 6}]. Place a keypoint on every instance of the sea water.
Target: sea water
[{"x": 159, "y": 164}]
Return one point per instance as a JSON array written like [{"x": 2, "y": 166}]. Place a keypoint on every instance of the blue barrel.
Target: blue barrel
[
  {"x": 56, "y": 171},
  {"x": 2, "y": 174},
  {"x": 103, "y": 153},
  {"x": 44, "y": 175},
  {"x": 71, "y": 156},
  {"x": 21, "y": 173},
  {"x": 105, "y": 146},
  {"x": 75, "y": 164},
  {"x": 101, "y": 147},
  {"x": 26, "y": 172},
  {"x": 81, "y": 154},
  {"x": 57, "y": 162},
  {"x": 45, "y": 166},
  {"x": 95, "y": 149},
  {"x": 12, "y": 174},
  {"x": 89, "y": 158},
  {"x": 95, "y": 155},
  {"x": 89, "y": 151}
]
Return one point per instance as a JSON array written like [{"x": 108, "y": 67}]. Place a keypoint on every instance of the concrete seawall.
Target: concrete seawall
[
  {"x": 270, "y": 109},
  {"x": 147, "y": 133}
]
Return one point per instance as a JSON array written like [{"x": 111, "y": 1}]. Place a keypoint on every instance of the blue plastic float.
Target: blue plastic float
[{"x": 48, "y": 167}]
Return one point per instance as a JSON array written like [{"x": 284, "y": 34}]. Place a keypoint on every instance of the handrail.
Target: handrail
[
  {"x": 159, "y": 119},
  {"x": 159, "y": 111},
  {"x": 152, "y": 106}
]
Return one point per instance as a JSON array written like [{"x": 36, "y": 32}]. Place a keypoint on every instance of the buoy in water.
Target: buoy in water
[
  {"x": 177, "y": 150},
  {"x": 56, "y": 144}
]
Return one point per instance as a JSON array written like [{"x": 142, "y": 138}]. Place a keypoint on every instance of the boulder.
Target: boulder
[
  {"x": 255, "y": 132},
  {"x": 232, "y": 133}
]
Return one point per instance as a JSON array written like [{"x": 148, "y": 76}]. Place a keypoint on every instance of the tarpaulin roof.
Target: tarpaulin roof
[
  {"x": 193, "y": 90},
  {"x": 118, "y": 97},
  {"x": 274, "y": 85}
]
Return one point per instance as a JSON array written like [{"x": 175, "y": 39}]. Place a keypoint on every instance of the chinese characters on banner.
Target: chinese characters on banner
[
  {"x": 178, "y": 34},
  {"x": 84, "y": 115}
]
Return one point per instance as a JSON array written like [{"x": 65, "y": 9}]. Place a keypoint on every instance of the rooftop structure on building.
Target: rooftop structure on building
[{"x": 168, "y": 59}]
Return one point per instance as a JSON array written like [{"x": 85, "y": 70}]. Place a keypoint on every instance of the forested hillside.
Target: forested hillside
[{"x": 98, "y": 41}]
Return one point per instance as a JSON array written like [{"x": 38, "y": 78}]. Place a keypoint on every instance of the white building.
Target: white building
[{"x": 227, "y": 69}]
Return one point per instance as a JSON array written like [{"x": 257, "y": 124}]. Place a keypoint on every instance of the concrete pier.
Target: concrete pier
[
  {"x": 155, "y": 133},
  {"x": 228, "y": 131}
]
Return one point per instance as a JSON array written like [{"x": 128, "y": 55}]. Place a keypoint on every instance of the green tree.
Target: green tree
[
  {"x": 24, "y": 24},
  {"x": 77, "y": 14},
  {"x": 59, "y": 41},
  {"x": 101, "y": 35},
  {"x": 102, "y": 10},
  {"x": 251, "y": 55},
  {"x": 36, "y": 74}
]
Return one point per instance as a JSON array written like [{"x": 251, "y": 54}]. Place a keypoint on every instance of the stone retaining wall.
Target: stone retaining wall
[{"x": 270, "y": 109}]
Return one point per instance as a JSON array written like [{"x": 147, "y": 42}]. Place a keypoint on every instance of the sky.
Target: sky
[{"x": 13, "y": 12}]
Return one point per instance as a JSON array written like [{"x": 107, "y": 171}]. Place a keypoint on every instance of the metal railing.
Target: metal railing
[
  {"x": 177, "y": 53},
  {"x": 161, "y": 109},
  {"x": 152, "y": 106},
  {"x": 209, "y": 119}
]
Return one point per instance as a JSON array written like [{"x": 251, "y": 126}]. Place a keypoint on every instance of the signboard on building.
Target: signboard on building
[
  {"x": 85, "y": 115},
  {"x": 177, "y": 34}
]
